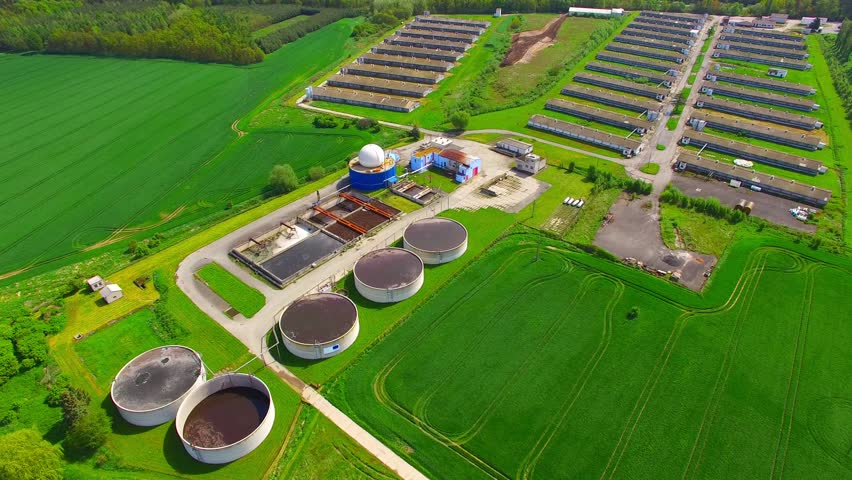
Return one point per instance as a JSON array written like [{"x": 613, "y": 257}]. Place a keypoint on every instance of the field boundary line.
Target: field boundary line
[{"x": 286, "y": 441}]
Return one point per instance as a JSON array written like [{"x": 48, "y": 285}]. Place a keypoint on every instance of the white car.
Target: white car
[
  {"x": 580, "y": 205},
  {"x": 575, "y": 203},
  {"x": 567, "y": 201}
]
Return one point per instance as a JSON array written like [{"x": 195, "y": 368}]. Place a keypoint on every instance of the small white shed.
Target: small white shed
[
  {"x": 111, "y": 293},
  {"x": 96, "y": 283}
]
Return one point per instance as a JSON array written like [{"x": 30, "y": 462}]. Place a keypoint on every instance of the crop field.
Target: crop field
[
  {"x": 137, "y": 146},
  {"x": 526, "y": 365},
  {"x": 243, "y": 298}
]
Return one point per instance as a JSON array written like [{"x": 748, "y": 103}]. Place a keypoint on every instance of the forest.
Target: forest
[
  {"x": 221, "y": 31},
  {"x": 194, "y": 30}
]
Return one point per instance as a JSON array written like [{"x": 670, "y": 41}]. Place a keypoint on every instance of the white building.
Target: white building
[
  {"x": 530, "y": 163},
  {"x": 595, "y": 12},
  {"x": 111, "y": 293},
  {"x": 96, "y": 283}
]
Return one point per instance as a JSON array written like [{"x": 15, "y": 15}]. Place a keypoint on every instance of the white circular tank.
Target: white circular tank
[
  {"x": 371, "y": 156},
  {"x": 436, "y": 240},
  {"x": 225, "y": 418},
  {"x": 149, "y": 389},
  {"x": 388, "y": 275},
  {"x": 319, "y": 325}
]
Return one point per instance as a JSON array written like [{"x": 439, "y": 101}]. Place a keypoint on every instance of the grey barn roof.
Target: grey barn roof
[
  {"x": 609, "y": 98},
  {"x": 796, "y": 103},
  {"x": 679, "y": 24},
  {"x": 780, "y": 117},
  {"x": 599, "y": 114},
  {"x": 436, "y": 27},
  {"x": 637, "y": 61},
  {"x": 686, "y": 17},
  {"x": 661, "y": 28},
  {"x": 797, "y": 54},
  {"x": 429, "y": 53},
  {"x": 650, "y": 42},
  {"x": 751, "y": 152},
  {"x": 407, "y": 62},
  {"x": 453, "y": 37},
  {"x": 762, "y": 59},
  {"x": 629, "y": 72},
  {"x": 393, "y": 87},
  {"x": 646, "y": 52},
  {"x": 820, "y": 196},
  {"x": 773, "y": 42},
  {"x": 762, "y": 82},
  {"x": 768, "y": 34},
  {"x": 453, "y": 21},
  {"x": 756, "y": 130},
  {"x": 355, "y": 97},
  {"x": 635, "y": 32},
  {"x": 394, "y": 73},
  {"x": 589, "y": 135},
  {"x": 428, "y": 43},
  {"x": 651, "y": 91}
]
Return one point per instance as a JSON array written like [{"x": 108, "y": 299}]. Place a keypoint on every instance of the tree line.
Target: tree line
[
  {"x": 839, "y": 58},
  {"x": 318, "y": 19}
]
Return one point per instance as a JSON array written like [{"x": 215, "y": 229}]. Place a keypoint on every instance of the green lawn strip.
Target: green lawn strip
[
  {"x": 247, "y": 300},
  {"x": 320, "y": 450},
  {"x": 696, "y": 67},
  {"x": 277, "y": 26},
  {"x": 697, "y": 232},
  {"x": 671, "y": 123},
  {"x": 438, "y": 354},
  {"x": 591, "y": 216},
  {"x": 650, "y": 168},
  {"x": 434, "y": 178},
  {"x": 376, "y": 320}
]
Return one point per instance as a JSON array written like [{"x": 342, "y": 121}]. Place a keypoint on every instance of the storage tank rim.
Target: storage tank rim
[
  {"x": 466, "y": 235},
  {"x": 270, "y": 411},
  {"x": 354, "y": 324},
  {"x": 201, "y": 373},
  {"x": 399, "y": 287}
]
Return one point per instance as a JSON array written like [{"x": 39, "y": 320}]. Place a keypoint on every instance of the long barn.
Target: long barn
[
  {"x": 757, "y": 154},
  {"x": 765, "y": 114},
  {"x": 625, "y": 146}
]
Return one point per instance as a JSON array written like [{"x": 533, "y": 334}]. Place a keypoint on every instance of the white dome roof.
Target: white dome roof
[{"x": 371, "y": 155}]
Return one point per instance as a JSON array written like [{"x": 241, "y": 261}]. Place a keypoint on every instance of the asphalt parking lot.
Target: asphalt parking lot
[{"x": 768, "y": 207}]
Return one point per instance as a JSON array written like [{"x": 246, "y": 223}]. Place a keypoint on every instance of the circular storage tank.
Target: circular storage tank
[
  {"x": 320, "y": 325},
  {"x": 225, "y": 418},
  {"x": 149, "y": 390},
  {"x": 388, "y": 275},
  {"x": 436, "y": 240}
]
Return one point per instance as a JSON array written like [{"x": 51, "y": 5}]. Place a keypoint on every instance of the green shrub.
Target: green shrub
[
  {"x": 316, "y": 172},
  {"x": 89, "y": 432},
  {"x": 26, "y": 456},
  {"x": 282, "y": 179},
  {"x": 459, "y": 119}
]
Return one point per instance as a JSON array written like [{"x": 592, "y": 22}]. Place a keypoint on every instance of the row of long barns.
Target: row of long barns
[
  {"x": 756, "y": 107},
  {"x": 634, "y": 72},
  {"x": 403, "y": 69}
]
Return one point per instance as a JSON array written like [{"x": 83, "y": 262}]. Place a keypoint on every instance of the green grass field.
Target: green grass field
[
  {"x": 684, "y": 229},
  {"x": 650, "y": 168},
  {"x": 103, "y": 149},
  {"x": 318, "y": 450},
  {"x": 481, "y": 382},
  {"x": 245, "y": 299}
]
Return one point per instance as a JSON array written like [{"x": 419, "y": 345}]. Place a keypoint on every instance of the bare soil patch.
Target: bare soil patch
[{"x": 526, "y": 44}]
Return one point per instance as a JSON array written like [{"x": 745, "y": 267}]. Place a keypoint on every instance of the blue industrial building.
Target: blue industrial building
[{"x": 373, "y": 169}]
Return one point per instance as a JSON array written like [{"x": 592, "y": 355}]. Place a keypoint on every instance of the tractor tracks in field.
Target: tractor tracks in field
[
  {"x": 527, "y": 467},
  {"x": 662, "y": 363},
  {"x": 779, "y": 459}
]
